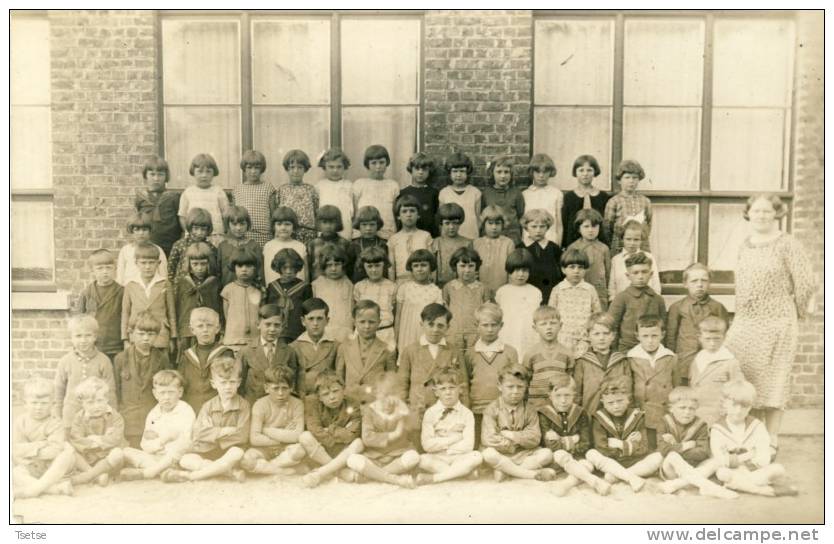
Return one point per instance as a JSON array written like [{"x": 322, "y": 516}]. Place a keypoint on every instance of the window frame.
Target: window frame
[
  {"x": 42, "y": 194},
  {"x": 704, "y": 196},
  {"x": 246, "y": 19}
]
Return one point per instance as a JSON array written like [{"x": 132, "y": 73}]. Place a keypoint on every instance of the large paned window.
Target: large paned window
[
  {"x": 33, "y": 251},
  {"x": 702, "y": 101},
  {"x": 275, "y": 82}
]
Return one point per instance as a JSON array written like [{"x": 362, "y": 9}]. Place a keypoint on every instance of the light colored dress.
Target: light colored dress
[
  {"x": 256, "y": 198},
  {"x": 412, "y": 297},
  {"x": 599, "y": 269},
  {"x": 272, "y": 248},
  {"x": 518, "y": 302},
  {"x": 774, "y": 283},
  {"x": 576, "y": 304},
  {"x": 470, "y": 201},
  {"x": 339, "y": 194},
  {"x": 622, "y": 208},
  {"x": 338, "y": 294},
  {"x": 213, "y": 200},
  {"x": 381, "y": 194},
  {"x": 384, "y": 293},
  {"x": 493, "y": 253},
  {"x": 400, "y": 247},
  {"x": 546, "y": 198}
]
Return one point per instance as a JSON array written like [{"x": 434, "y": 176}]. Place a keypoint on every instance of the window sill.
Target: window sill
[{"x": 59, "y": 300}]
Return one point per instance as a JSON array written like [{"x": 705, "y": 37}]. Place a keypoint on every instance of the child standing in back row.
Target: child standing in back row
[
  {"x": 421, "y": 168},
  {"x": 459, "y": 168},
  {"x": 205, "y": 195},
  {"x": 626, "y": 205},
  {"x": 376, "y": 190},
  {"x": 543, "y": 196},
  {"x": 159, "y": 206},
  {"x": 301, "y": 197},
  {"x": 256, "y": 196},
  {"x": 503, "y": 195},
  {"x": 334, "y": 189}
]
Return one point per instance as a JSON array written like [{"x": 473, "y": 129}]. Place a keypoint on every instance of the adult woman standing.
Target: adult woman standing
[{"x": 774, "y": 285}]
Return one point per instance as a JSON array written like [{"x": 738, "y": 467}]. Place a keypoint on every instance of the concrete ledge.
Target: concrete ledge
[{"x": 803, "y": 421}]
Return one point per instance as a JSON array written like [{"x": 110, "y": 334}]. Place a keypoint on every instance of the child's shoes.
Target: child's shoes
[
  {"x": 103, "y": 479},
  {"x": 636, "y": 483},
  {"x": 406, "y": 482},
  {"x": 424, "y": 479},
  {"x": 545, "y": 475},
  {"x": 311, "y": 479},
  {"x": 602, "y": 487},
  {"x": 131, "y": 474},
  {"x": 783, "y": 487},
  {"x": 499, "y": 476},
  {"x": 238, "y": 475},
  {"x": 171, "y": 476}
]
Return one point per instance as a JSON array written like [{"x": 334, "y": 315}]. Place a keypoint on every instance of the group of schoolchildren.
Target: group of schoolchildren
[{"x": 357, "y": 330}]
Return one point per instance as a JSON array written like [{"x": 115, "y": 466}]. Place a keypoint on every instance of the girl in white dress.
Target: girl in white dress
[
  {"x": 414, "y": 295},
  {"x": 518, "y": 300},
  {"x": 459, "y": 167},
  {"x": 334, "y": 189}
]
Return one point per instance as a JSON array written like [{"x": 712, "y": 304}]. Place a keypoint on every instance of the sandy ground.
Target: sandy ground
[{"x": 266, "y": 500}]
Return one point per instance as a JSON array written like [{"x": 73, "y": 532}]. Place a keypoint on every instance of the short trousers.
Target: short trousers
[
  {"x": 211, "y": 455},
  {"x": 270, "y": 452},
  {"x": 38, "y": 467},
  {"x": 447, "y": 458},
  {"x": 94, "y": 456}
]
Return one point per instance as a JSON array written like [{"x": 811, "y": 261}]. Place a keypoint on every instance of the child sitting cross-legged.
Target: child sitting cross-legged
[
  {"x": 277, "y": 422},
  {"x": 510, "y": 433},
  {"x": 332, "y": 433},
  {"x": 566, "y": 431},
  {"x": 389, "y": 453},
  {"x": 448, "y": 434},
  {"x": 167, "y": 433},
  {"x": 741, "y": 446},
  {"x": 221, "y": 430},
  {"x": 41, "y": 456},
  {"x": 97, "y": 434},
  {"x": 683, "y": 440},
  {"x": 618, "y": 433}
]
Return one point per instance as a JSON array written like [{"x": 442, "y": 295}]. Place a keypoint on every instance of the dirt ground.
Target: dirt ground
[{"x": 266, "y": 500}]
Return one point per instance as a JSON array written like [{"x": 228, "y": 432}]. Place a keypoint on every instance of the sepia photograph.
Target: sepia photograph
[{"x": 493, "y": 266}]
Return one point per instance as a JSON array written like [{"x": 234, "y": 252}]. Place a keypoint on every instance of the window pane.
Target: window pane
[
  {"x": 727, "y": 231},
  {"x": 748, "y": 149},
  {"x": 192, "y": 130},
  {"x": 278, "y": 130},
  {"x": 31, "y": 147},
  {"x": 29, "y": 60},
  {"x": 200, "y": 62},
  {"x": 395, "y": 128},
  {"x": 291, "y": 62},
  {"x": 667, "y": 142},
  {"x": 664, "y": 62},
  {"x": 566, "y": 133},
  {"x": 574, "y": 62},
  {"x": 753, "y": 62},
  {"x": 680, "y": 250},
  {"x": 33, "y": 255},
  {"x": 380, "y": 61}
]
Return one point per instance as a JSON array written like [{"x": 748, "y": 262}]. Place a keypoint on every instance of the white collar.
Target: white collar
[
  {"x": 425, "y": 341},
  {"x": 306, "y": 338},
  {"x": 723, "y": 354},
  {"x": 455, "y": 408},
  {"x": 495, "y": 347},
  {"x": 543, "y": 243},
  {"x": 564, "y": 285},
  {"x": 264, "y": 343},
  {"x": 639, "y": 352}
]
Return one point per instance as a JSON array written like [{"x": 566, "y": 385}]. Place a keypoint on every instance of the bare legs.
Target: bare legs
[
  {"x": 632, "y": 475},
  {"x": 696, "y": 476},
  {"x": 531, "y": 467},
  {"x": 390, "y": 473},
  {"x": 26, "y": 485},
  {"x": 442, "y": 471}
]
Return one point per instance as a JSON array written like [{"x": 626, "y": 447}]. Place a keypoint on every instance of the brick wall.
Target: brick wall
[
  {"x": 103, "y": 127},
  {"x": 808, "y": 216},
  {"x": 479, "y": 76}
]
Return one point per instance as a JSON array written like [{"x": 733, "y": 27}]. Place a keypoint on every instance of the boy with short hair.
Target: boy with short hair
[
  {"x": 332, "y": 434},
  {"x": 159, "y": 206},
  {"x": 135, "y": 369},
  {"x": 682, "y": 332},
  {"x": 618, "y": 434},
  {"x": 599, "y": 364},
  {"x": 712, "y": 367},
  {"x": 485, "y": 361},
  {"x": 389, "y": 453},
  {"x": 97, "y": 434},
  {"x": 269, "y": 350},
  {"x": 139, "y": 231},
  {"x": 41, "y": 456},
  {"x": 510, "y": 434},
  {"x": 195, "y": 363},
  {"x": 82, "y": 362},
  {"x": 635, "y": 302},
  {"x": 634, "y": 235},
  {"x": 167, "y": 433},
  {"x": 102, "y": 299},
  {"x": 566, "y": 431},
  {"x": 420, "y": 360},
  {"x": 363, "y": 357},
  {"x": 654, "y": 371},
  {"x": 548, "y": 358},
  {"x": 741, "y": 446},
  {"x": 221, "y": 430},
  {"x": 315, "y": 348},
  {"x": 450, "y": 216},
  {"x": 277, "y": 422},
  {"x": 683, "y": 440},
  {"x": 149, "y": 292},
  {"x": 448, "y": 434}
]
